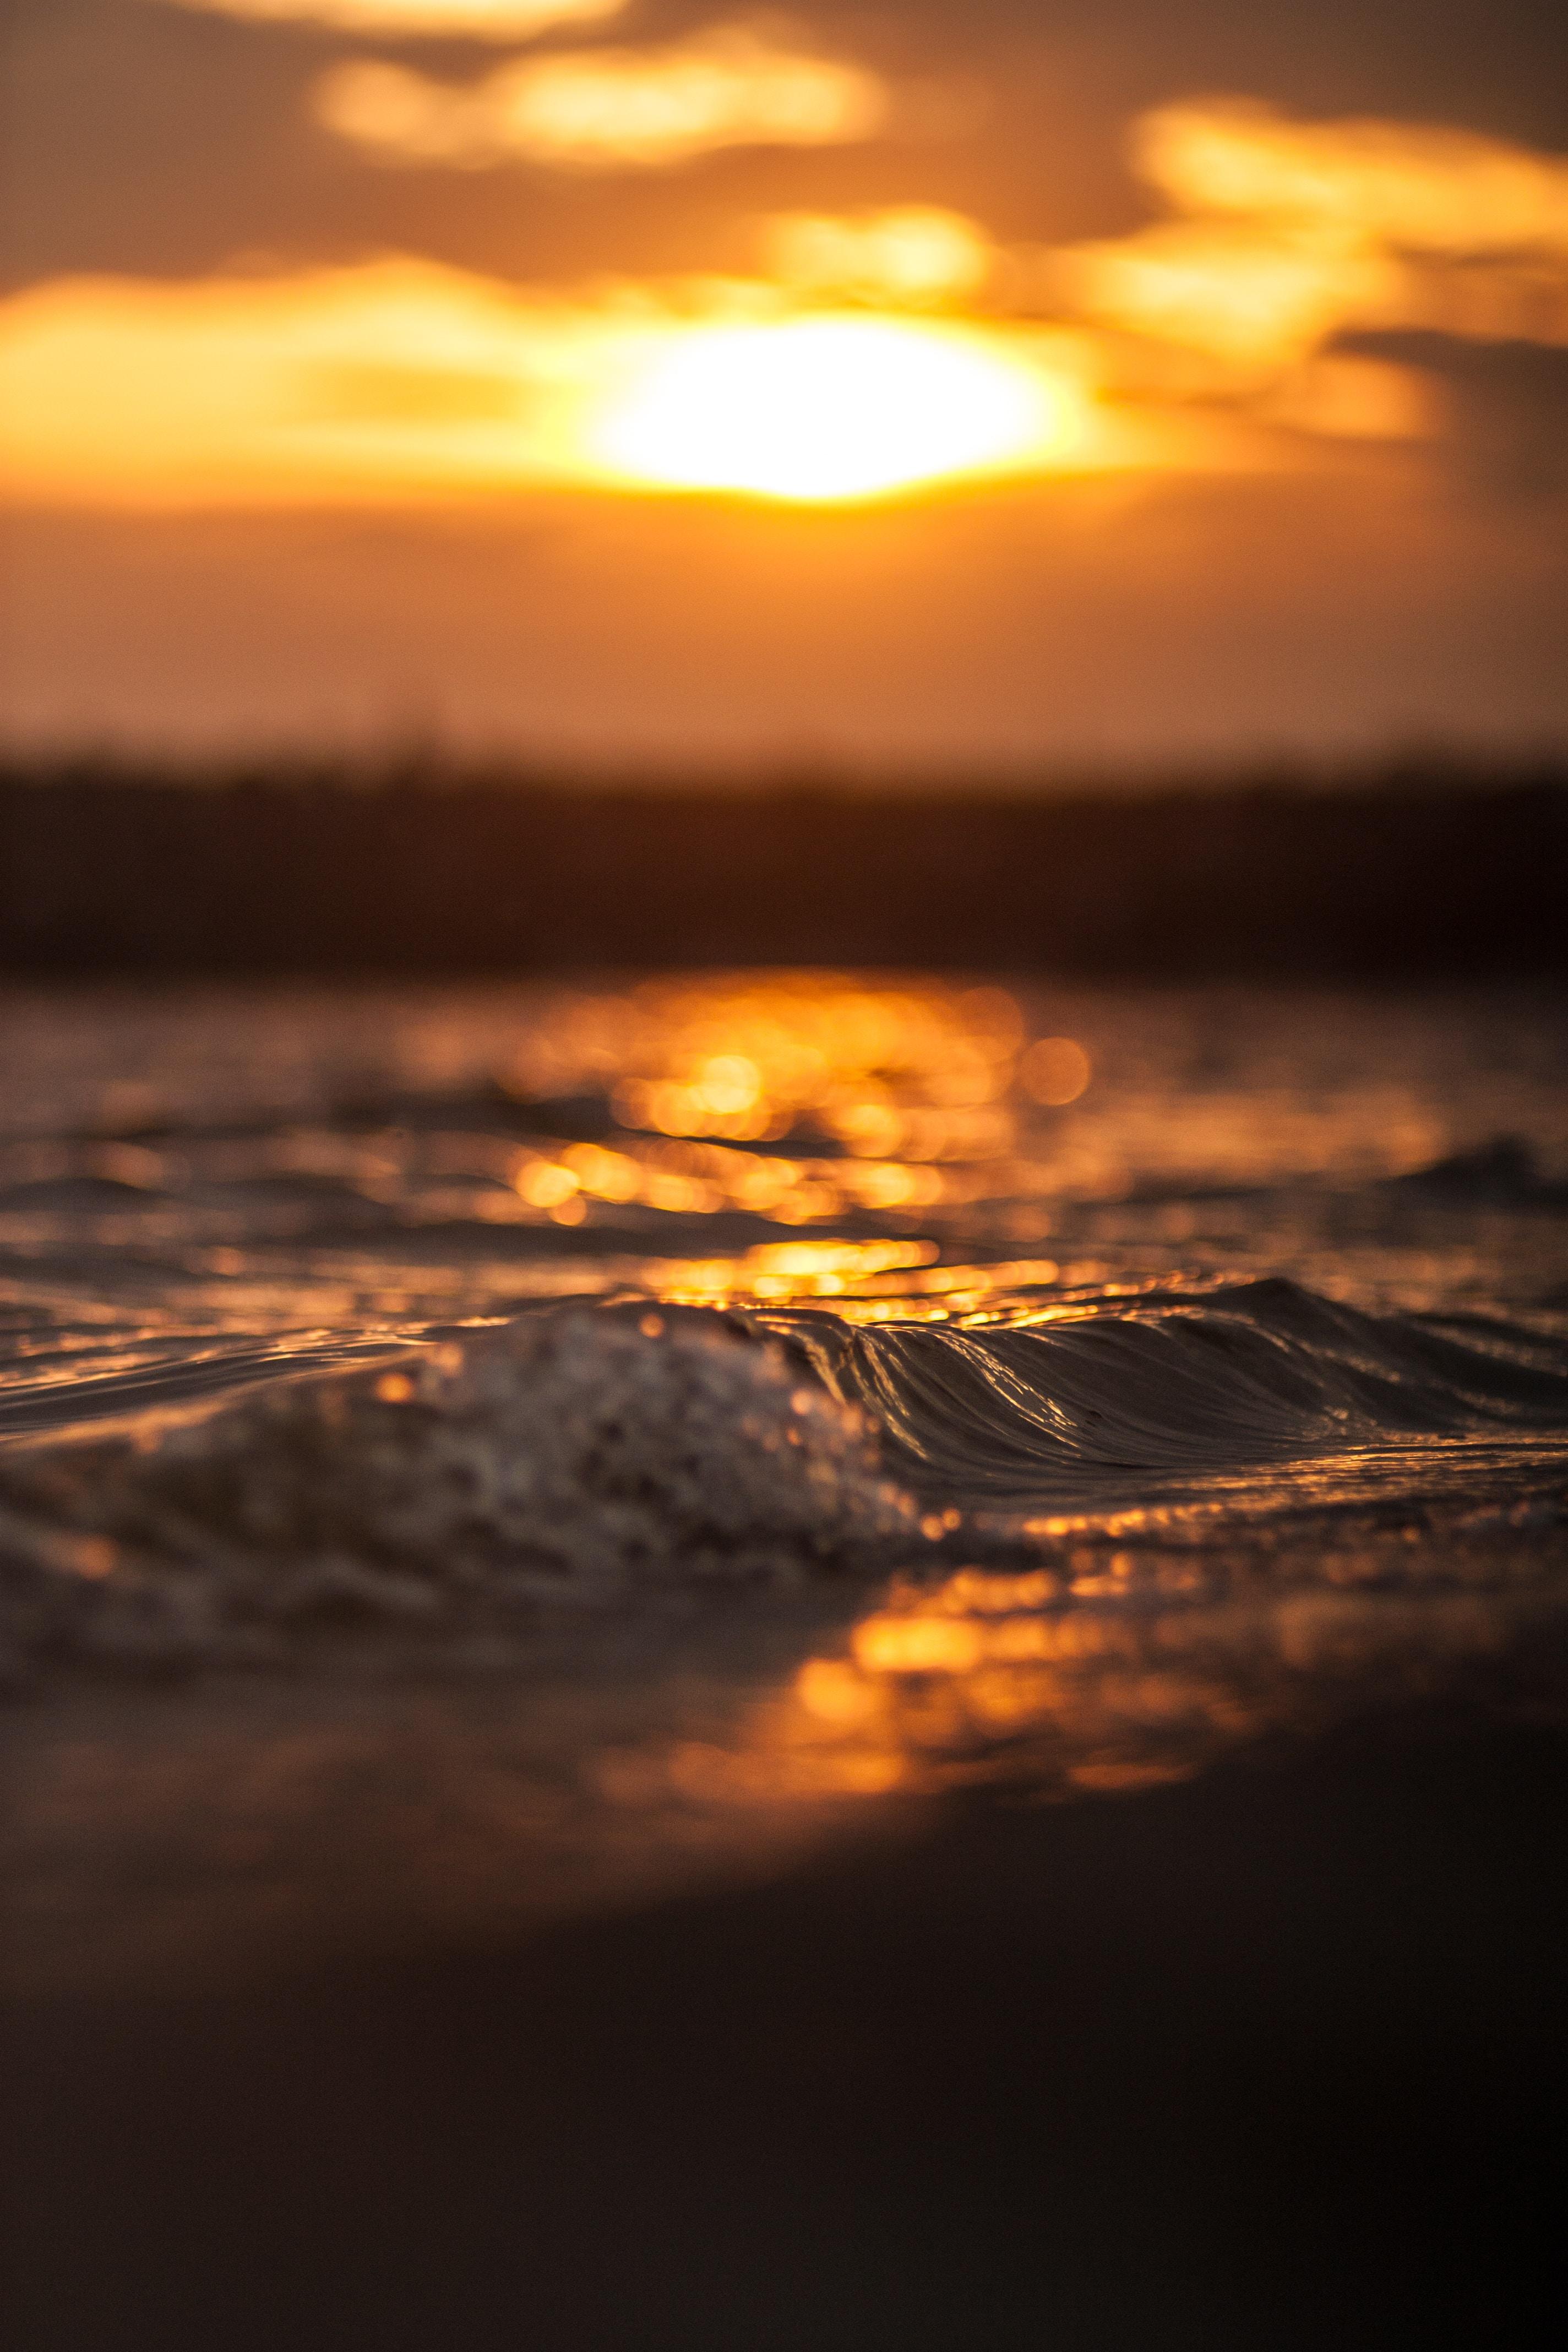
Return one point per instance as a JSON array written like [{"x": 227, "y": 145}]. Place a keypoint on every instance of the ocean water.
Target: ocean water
[{"x": 474, "y": 1452}]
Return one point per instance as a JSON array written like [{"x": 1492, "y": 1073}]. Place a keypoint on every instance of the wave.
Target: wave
[
  {"x": 1505, "y": 1172},
  {"x": 1132, "y": 1392},
  {"x": 579, "y": 1459},
  {"x": 566, "y": 1460},
  {"x": 199, "y": 1374}
]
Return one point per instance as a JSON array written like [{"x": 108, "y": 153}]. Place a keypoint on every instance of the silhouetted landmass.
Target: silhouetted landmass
[{"x": 426, "y": 868}]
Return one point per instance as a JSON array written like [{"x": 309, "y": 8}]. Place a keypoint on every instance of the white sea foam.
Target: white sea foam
[{"x": 563, "y": 1461}]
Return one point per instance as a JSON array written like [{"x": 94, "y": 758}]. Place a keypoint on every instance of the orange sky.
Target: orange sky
[{"x": 808, "y": 433}]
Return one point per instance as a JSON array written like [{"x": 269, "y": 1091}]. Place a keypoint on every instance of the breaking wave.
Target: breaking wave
[
  {"x": 564, "y": 1461},
  {"x": 577, "y": 1459}
]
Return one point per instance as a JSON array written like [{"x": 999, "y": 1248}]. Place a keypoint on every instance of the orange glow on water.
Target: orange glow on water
[
  {"x": 885, "y": 1073},
  {"x": 803, "y": 1097},
  {"x": 1051, "y": 1681},
  {"x": 1054, "y": 1070}
]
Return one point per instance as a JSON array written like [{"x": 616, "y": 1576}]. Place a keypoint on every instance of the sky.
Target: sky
[{"x": 934, "y": 388}]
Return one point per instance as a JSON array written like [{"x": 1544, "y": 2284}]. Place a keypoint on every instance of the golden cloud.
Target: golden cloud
[
  {"x": 597, "y": 109},
  {"x": 1244, "y": 294},
  {"x": 487, "y": 20},
  {"x": 1294, "y": 233},
  {"x": 396, "y": 377},
  {"x": 877, "y": 356},
  {"x": 917, "y": 255},
  {"x": 1355, "y": 399},
  {"x": 1415, "y": 187},
  {"x": 400, "y": 380}
]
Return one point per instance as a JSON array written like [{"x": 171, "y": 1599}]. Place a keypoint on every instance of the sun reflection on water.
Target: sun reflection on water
[
  {"x": 1109, "y": 1672},
  {"x": 978, "y": 1115},
  {"x": 889, "y": 1147},
  {"x": 895, "y": 1098},
  {"x": 753, "y": 1058}
]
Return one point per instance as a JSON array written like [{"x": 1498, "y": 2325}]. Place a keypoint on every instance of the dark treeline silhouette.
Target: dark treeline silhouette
[{"x": 426, "y": 868}]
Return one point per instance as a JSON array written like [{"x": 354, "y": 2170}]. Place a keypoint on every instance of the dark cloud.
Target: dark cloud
[{"x": 1505, "y": 407}]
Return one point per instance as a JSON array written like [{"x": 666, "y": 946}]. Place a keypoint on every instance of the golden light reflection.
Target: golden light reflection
[
  {"x": 897, "y": 1101},
  {"x": 879, "y": 1104},
  {"x": 1054, "y": 1070},
  {"x": 601, "y": 110},
  {"x": 877, "y": 1282},
  {"x": 1049, "y": 1679},
  {"x": 696, "y": 1180},
  {"x": 184, "y": 1844},
  {"x": 752, "y": 1058}
]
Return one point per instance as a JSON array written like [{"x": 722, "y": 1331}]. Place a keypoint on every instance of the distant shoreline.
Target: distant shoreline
[{"x": 423, "y": 868}]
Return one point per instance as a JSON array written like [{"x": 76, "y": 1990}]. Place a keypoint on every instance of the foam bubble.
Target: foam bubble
[{"x": 566, "y": 1460}]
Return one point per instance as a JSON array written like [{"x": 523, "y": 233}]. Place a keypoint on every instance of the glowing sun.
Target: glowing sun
[{"x": 833, "y": 406}]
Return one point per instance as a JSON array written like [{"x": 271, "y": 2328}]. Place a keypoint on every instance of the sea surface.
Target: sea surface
[{"x": 475, "y": 1455}]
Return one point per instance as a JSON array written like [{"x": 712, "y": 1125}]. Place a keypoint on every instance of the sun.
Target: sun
[{"x": 834, "y": 407}]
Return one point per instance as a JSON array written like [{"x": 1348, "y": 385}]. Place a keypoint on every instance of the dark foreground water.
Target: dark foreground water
[{"x": 802, "y": 1661}]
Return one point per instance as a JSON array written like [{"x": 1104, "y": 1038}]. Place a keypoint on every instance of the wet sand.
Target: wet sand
[{"x": 1273, "y": 2059}]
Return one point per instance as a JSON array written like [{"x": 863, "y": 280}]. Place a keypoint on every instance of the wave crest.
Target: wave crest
[{"x": 1176, "y": 1385}]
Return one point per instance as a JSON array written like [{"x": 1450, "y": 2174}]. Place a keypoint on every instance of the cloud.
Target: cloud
[
  {"x": 483, "y": 20},
  {"x": 1294, "y": 233},
  {"x": 917, "y": 255},
  {"x": 400, "y": 381},
  {"x": 1240, "y": 293},
  {"x": 394, "y": 379},
  {"x": 1506, "y": 404},
  {"x": 603, "y": 109},
  {"x": 1353, "y": 398},
  {"x": 885, "y": 349},
  {"x": 1418, "y": 188}
]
